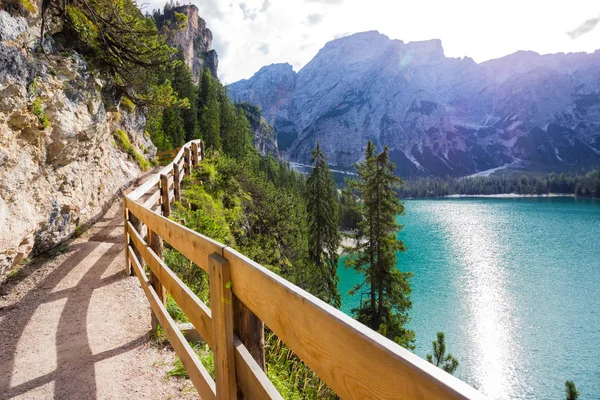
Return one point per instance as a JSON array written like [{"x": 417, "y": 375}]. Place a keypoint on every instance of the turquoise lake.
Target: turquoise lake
[{"x": 514, "y": 283}]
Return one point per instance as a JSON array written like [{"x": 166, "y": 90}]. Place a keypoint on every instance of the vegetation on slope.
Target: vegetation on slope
[{"x": 584, "y": 185}]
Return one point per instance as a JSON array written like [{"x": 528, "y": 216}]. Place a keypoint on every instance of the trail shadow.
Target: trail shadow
[{"x": 74, "y": 375}]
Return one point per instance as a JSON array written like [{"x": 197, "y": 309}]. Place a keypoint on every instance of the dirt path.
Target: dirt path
[{"x": 75, "y": 326}]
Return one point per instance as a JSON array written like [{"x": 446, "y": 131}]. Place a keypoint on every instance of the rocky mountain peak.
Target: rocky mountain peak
[
  {"x": 439, "y": 115},
  {"x": 194, "y": 40},
  {"x": 268, "y": 88}
]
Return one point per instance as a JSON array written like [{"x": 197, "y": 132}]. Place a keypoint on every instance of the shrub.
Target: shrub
[
  {"x": 38, "y": 109},
  {"x": 123, "y": 140},
  {"x": 127, "y": 104}
]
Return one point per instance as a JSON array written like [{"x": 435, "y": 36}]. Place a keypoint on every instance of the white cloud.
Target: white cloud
[{"x": 249, "y": 34}]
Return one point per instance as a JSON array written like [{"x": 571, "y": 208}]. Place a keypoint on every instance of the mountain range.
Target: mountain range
[{"x": 438, "y": 115}]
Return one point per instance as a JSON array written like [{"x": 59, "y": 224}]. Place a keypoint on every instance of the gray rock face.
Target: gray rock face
[
  {"x": 195, "y": 40},
  {"x": 11, "y": 27},
  {"x": 439, "y": 115},
  {"x": 269, "y": 88},
  {"x": 58, "y": 176}
]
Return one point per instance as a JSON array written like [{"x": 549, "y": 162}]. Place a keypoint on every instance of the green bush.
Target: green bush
[
  {"x": 125, "y": 144},
  {"x": 38, "y": 109},
  {"x": 127, "y": 104}
]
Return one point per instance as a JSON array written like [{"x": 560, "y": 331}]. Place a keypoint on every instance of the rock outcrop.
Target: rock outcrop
[
  {"x": 264, "y": 138},
  {"x": 60, "y": 163},
  {"x": 439, "y": 115},
  {"x": 194, "y": 39}
]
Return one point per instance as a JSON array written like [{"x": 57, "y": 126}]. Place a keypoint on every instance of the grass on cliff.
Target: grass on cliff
[
  {"x": 38, "y": 109},
  {"x": 125, "y": 144}
]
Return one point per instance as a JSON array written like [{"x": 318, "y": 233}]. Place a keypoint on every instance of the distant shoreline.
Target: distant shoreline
[{"x": 509, "y": 195}]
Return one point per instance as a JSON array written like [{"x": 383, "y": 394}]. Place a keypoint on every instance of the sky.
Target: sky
[{"x": 249, "y": 34}]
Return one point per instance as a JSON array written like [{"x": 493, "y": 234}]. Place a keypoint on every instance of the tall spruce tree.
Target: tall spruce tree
[
  {"x": 183, "y": 83},
  {"x": 387, "y": 301},
  {"x": 173, "y": 127},
  {"x": 210, "y": 114},
  {"x": 323, "y": 234}
]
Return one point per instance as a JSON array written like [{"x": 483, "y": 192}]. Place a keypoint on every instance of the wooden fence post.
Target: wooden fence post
[
  {"x": 250, "y": 330},
  {"x": 128, "y": 268},
  {"x": 176, "y": 184},
  {"x": 186, "y": 160},
  {"x": 137, "y": 225},
  {"x": 156, "y": 244},
  {"x": 221, "y": 307},
  {"x": 194, "y": 154},
  {"x": 202, "y": 150},
  {"x": 164, "y": 194}
]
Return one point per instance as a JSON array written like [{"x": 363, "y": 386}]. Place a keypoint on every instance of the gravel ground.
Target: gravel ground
[{"x": 74, "y": 326}]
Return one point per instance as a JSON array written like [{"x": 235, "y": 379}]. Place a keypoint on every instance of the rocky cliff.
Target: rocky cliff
[
  {"x": 263, "y": 134},
  {"x": 194, "y": 39},
  {"x": 62, "y": 150},
  {"x": 439, "y": 115}
]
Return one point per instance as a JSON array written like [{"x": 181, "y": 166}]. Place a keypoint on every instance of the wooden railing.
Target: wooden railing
[
  {"x": 165, "y": 157},
  {"x": 353, "y": 360}
]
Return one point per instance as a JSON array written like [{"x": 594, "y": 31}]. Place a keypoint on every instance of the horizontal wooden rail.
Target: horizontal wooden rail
[{"x": 353, "y": 360}]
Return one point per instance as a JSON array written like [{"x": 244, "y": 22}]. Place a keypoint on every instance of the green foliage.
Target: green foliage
[
  {"x": 348, "y": 211},
  {"x": 127, "y": 104},
  {"x": 174, "y": 311},
  {"x": 181, "y": 20},
  {"x": 210, "y": 111},
  {"x": 439, "y": 358},
  {"x": 33, "y": 85},
  {"x": 123, "y": 141},
  {"x": 571, "y": 391},
  {"x": 191, "y": 274},
  {"x": 323, "y": 234},
  {"x": 584, "y": 184},
  {"x": 28, "y": 5},
  {"x": 290, "y": 376},
  {"x": 117, "y": 39},
  {"x": 38, "y": 109},
  {"x": 172, "y": 126},
  {"x": 154, "y": 129},
  {"x": 387, "y": 290},
  {"x": 206, "y": 357}
]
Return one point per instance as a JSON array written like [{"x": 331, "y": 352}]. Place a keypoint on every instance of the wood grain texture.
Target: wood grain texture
[
  {"x": 355, "y": 361},
  {"x": 187, "y": 160},
  {"x": 192, "y": 245},
  {"x": 196, "y": 311},
  {"x": 251, "y": 379},
  {"x": 153, "y": 199},
  {"x": 221, "y": 306},
  {"x": 176, "y": 183},
  {"x": 164, "y": 193},
  {"x": 157, "y": 247},
  {"x": 126, "y": 219},
  {"x": 250, "y": 330},
  {"x": 194, "y": 152},
  {"x": 196, "y": 371}
]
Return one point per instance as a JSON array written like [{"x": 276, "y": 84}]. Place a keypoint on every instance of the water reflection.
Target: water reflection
[{"x": 489, "y": 326}]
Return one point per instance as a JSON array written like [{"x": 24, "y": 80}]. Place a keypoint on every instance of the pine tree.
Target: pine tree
[
  {"x": 241, "y": 136},
  {"x": 172, "y": 126},
  {"x": 571, "y": 391},
  {"x": 439, "y": 358},
  {"x": 227, "y": 123},
  {"x": 210, "y": 115},
  {"x": 323, "y": 234},
  {"x": 183, "y": 83},
  {"x": 385, "y": 308}
]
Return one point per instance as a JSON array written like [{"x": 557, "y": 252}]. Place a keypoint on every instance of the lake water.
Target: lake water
[{"x": 514, "y": 284}]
